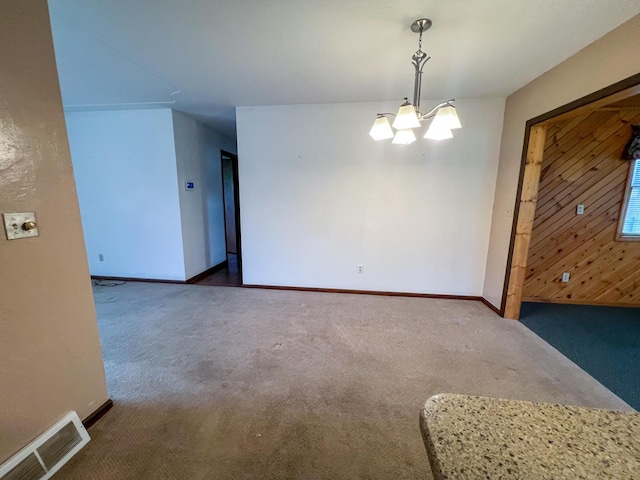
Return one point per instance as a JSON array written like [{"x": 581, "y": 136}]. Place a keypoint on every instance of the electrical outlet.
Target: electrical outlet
[
  {"x": 565, "y": 277},
  {"x": 580, "y": 209},
  {"x": 360, "y": 269},
  {"x": 101, "y": 257}
]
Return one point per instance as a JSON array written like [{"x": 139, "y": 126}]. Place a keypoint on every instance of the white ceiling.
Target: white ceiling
[{"x": 219, "y": 54}]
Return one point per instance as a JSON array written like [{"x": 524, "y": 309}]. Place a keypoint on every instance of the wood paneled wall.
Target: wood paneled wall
[{"x": 581, "y": 165}]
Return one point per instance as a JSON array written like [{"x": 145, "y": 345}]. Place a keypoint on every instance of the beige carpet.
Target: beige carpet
[{"x": 232, "y": 383}]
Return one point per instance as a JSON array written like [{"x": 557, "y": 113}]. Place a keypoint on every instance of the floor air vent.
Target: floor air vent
[{"x": 45, "y": 455}]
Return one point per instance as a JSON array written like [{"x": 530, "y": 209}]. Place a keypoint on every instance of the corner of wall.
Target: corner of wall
[
  {"x": 197, "y": 149},
  {"x": 600, "y": 64},
  {"x": 48, "y": 316},
  {"x": 124, "y": 165}
]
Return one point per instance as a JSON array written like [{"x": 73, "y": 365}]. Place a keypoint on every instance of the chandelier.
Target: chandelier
[{"x": 443, "y": 116}]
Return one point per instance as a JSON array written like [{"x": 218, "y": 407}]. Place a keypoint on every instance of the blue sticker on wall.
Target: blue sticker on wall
[{"x": 189, "y": 185}]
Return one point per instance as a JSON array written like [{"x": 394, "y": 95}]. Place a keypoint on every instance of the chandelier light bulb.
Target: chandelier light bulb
[
  {"x": 448, "y": 118},
  {"x": 381, "y": 129},
  {"x": 406, "y": 117},
  {"x": 404, "y": 137},
  {"x": 437, "y": 132}
]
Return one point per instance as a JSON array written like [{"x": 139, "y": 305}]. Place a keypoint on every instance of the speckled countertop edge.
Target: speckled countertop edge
[{"x": 469, "y": 437}]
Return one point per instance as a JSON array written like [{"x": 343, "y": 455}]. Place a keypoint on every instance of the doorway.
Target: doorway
[
  {"x": 231, "y": 201},
  {"x": 530, "y": 173},
  {"x": 231, "y": 274}
]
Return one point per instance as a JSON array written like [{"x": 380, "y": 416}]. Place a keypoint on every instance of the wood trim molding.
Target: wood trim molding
[
  {"x": 210, "y": 271},
  {"x": 619, "y": 109},
  {"x": 97, "y": 414},
  {"x": 491, "y": 306},
  {"x": 579, "y": 302},
  {"x": 613, "y": 93},
  {"x": 524, "y": 225},
  {"x": 629, "y": 85},
  {"x": 620, "y": 237},
  {"x": 367, "y": 292},
  {"x": 191, "y": 280},
  {"x": 134, "y": 279},
  {"x": 627, "y": 238},
  {"x": 596, "y": 104}
]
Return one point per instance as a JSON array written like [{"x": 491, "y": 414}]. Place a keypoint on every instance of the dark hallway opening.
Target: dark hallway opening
[{"x": 231, "y": 275}]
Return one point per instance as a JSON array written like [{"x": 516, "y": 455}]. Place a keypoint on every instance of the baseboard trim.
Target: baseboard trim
[
  {"x": 97, "y": 414},
  {"x": 191, "y": 280},
  {"x": 210, "y": 271},
  {"x": 366, "y": 292},
  {"x": 579, "y": 302},
  {"x": 134, "y": 279},
  {"x": 224, "y": 264},
  {"x": 491, "y": 306}
]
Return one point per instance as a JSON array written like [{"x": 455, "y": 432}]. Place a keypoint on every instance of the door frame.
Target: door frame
[
  {"x": 236, "y": 200},
  {"x": 529, "y": 180}
]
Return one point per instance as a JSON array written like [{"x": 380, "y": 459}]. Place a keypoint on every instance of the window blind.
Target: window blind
[{"x": 631, "y": 225}]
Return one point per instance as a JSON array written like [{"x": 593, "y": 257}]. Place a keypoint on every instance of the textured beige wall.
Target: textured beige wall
[
  {"x": 608, "y": 60},
  {"x": 50, "y": 357}
]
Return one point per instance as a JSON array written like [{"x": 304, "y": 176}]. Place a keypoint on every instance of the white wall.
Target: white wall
[
  {"x": 125, "y": 168},
  {"x": 604, "y": 62},
  {"x": 318, "y": 197},
  {"x": 202, "y": 215}
]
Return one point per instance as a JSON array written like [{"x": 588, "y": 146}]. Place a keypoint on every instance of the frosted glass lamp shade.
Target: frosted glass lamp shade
[
  {"x": 447, "y": 118},
  {"x": 406, "y": 118},
  {"x": 436, "y": 132},
  {"x": 381, "y": 129},
  {"x": 404, "y": 137}
]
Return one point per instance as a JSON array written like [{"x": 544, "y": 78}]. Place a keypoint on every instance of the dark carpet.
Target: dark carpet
[{"x": 604, "y": 341}]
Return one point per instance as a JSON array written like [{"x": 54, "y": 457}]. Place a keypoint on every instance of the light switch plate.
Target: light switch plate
[{"x": 13, "y": 223}]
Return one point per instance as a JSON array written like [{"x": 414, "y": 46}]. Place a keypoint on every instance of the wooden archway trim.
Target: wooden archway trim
[
  {"x": 535, "y": 135},
  {"x": 526, "y": 214}
]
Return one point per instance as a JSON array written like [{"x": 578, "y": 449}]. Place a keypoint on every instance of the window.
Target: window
[{"x": 629, "y": 226}]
